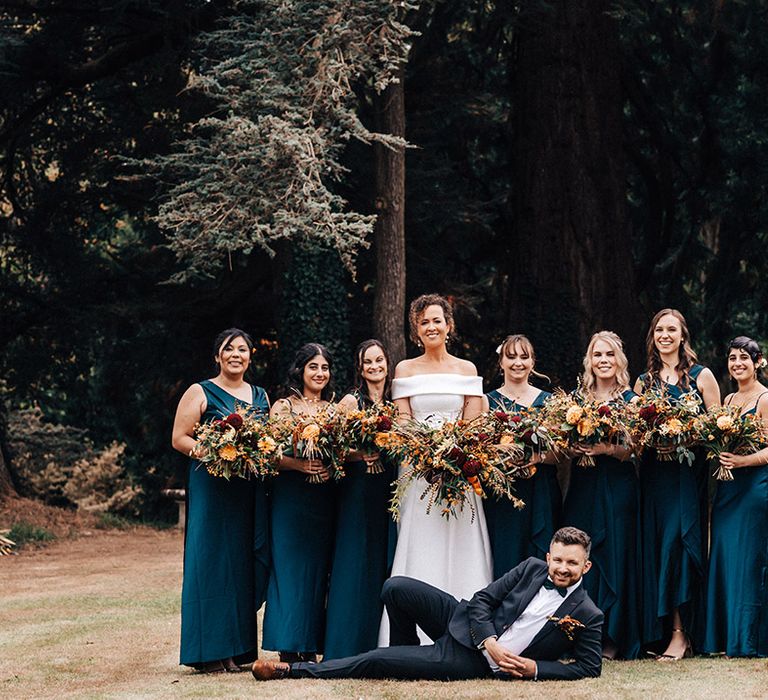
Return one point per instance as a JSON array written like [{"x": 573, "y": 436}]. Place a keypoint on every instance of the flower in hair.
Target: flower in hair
[
  {"x": 762, "y": 362},
  {"x": 498, "y": 350}
]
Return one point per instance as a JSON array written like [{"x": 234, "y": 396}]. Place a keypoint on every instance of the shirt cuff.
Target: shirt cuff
[{"x": 535, "y": 671}]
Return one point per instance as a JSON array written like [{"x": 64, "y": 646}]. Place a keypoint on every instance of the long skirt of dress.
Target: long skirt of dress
[
  {"x": 604, "y": 501},
  {"x": 453, "y": 554},
  {"x": 737, "y": 591},
  {"x": 359, "y": 566},
  {"x": 223, "y": 584},
  {"x": 518, "y": 533},
  {"x": 673, "y": 532},
  {"x": 302, "y": 529}
]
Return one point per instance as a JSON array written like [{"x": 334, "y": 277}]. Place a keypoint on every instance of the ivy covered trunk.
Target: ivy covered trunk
[
  {"x": 389, "y": 301},
  {"x": 569, "y": 256}
]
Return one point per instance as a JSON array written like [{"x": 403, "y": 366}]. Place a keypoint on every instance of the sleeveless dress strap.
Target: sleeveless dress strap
[{"x": 757, "y": 401}]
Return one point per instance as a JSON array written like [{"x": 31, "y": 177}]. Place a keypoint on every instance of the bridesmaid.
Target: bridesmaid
[
  {"x": 737, "y": 592},
  {"x": 604, "y": 501},
  {"x": 226, "y": 548},
  {"x": 359, "y": 566},
  {"x": 673, "y": 497},
  {"x": 518, "y": 534},
  {"x": 301, "y": 523}
]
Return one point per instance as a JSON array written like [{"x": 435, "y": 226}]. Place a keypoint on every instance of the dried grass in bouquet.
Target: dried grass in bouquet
[
  {"x": 239, "y": 445},
  {"x": 523, "y": 434},
  {"x": 572, "y": 419},
  {"x": 666, "y": 425},
  {"x": 455, "y": 459},
  {"x": 724, "y": 429}
]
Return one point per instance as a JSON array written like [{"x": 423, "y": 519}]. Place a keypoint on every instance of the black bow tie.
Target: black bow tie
[{"x": 550, "y": 586}]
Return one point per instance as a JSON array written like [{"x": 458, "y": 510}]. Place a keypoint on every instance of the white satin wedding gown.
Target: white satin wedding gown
[{"x": 452, "y": 554}]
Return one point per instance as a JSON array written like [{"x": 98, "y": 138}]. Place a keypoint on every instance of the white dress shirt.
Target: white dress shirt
[{"x": 521, "y": 632}]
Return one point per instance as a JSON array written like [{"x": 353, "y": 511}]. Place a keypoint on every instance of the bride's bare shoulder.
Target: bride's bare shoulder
[
  {"x": 464, "y": 367},
  {"x": 406, "y": 368}
]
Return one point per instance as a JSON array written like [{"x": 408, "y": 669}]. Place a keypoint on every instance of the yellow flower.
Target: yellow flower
[
  {"x": 573, "y": 415},
  {"x": 507, "y": 439},
  {"x": 724, "y": 422},
  {"x": 266, "y": 444},
  {"x": 586, "y": 426},
  {"x": 228, "y": 453},
  {"x": 310, "y": 432},
  {"x": 674, "y": 426}
]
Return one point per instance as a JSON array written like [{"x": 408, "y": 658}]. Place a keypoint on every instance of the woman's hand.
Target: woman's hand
[
  {"x": 732, "y": 461},
  {"x": 601, "y": 448},
  {"x": 311, "y": 467},
  {"x": 371, "y": 458}
]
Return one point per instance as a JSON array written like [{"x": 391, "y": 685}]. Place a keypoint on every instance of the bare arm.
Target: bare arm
[
  {"x": 710, "y": 391},
  {"x": 190, "y": 410}
]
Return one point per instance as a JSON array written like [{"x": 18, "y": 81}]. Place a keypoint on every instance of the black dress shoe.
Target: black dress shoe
[{"x": 270, "y": 670}]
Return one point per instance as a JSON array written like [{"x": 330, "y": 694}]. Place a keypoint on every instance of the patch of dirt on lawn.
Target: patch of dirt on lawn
[{"x": 60, "y": 522}]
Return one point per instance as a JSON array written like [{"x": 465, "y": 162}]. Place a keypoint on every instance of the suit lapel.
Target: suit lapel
[
  {"x": 566, "y": 608},
  {"x": 536, "y": 582}
]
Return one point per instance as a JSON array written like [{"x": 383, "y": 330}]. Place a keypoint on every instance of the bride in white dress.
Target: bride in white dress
[{"x": 453, "y": 554}]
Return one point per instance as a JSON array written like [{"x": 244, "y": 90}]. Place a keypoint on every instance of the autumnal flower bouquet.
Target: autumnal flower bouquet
[
  {"x": 724, "y": 429},
  {"x": 575, "y": 420},
  {"x": 238, "y": 445},
  {"x": 366, "y": 429},
  {"x": 319, "y": 436},
  {"x": 523, "y": 434},
  {"x": 667, "y": 426},
  {"x": 454, "y": 459}
]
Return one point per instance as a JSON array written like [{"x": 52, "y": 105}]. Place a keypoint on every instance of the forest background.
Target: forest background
[{"x": 170, "y": 168}]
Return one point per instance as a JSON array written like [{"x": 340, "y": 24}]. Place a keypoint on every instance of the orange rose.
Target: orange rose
[{"x": 228, "y": 453}]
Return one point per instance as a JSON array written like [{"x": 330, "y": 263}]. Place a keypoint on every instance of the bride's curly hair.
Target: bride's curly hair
[
  {"x": 686, "y": 356},
  {"x": 417, "y": 308},
  {"x": 588, "y": 381}
]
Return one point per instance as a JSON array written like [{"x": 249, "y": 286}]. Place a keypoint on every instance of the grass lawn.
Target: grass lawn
[{"x": 98, "y": 617}]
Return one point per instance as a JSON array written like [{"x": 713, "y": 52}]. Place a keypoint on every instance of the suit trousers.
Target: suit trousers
[{"x": 409, "y": 603}]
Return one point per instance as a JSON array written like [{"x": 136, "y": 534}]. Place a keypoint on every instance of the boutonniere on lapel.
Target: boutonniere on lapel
[{"x": 568, "y": 625}]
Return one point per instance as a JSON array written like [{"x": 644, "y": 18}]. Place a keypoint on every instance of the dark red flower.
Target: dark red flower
[
  {"x": 457, "y": 455},
  {"x": 384, "y": 423},
  {"x": 648, "y": 413},
  {"x": 472, "y": 467},
  {"x": 500, "y": 415},
  {"x": 483, "y": 437},
  {"x": 220, "y": 424},
  {"x": 235, "y": 420},
  {"x": 528, "y": 437},
  {"x": 516, "y": 418},
  {"x": 604, "y": 410},
  {"x": 328, "y": 428}
]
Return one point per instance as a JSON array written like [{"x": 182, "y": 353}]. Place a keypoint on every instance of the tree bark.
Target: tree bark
[
  {"x": 389, "y": 299},
  {"x": 7, "y": 487},
  {"x": 570, "y": 270}
]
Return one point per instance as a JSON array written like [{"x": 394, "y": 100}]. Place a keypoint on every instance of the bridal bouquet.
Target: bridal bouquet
[
  {"x": 455, "y": 459},
  {"x": 238, "y": 445},
  {"x": 523, "y": 434},
  {"x": 724, "y": 429},
  {"x": 367, "y": 430},
  {"x": 667, "y": 426},
  {"x": 575, "y": 420},
  {"x": 319, "y": 436}
]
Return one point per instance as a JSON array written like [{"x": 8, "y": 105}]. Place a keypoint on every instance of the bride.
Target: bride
[{"x": 453, "y": 554}]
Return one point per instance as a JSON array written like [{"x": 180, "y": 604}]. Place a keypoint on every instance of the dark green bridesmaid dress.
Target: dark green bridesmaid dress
[
  {"x": 516, "y": 534},
  {"x": 302, "y": 529},
  {"x": 604, "y": 501},
  {"x": 226, "y": 553},
  {"x": 673, "y": 523},
  {"x": 359, "y": 566},
  {"x": 737, "y": 586}
]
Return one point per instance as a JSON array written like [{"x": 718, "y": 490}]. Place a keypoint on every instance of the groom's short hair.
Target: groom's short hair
[{"x": 572, "y": 535}]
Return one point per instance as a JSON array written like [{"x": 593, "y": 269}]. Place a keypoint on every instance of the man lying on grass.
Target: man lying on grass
[{"x": 520, "y": 626}]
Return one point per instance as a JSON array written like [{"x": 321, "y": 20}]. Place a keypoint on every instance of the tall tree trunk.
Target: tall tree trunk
[
  {"x": 389, "y": 299},
  {"x": 7, "y": 487},
  {"x": 570, "y": 267}
]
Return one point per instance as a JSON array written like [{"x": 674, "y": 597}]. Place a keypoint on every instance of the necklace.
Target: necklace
[{"x": 306, "y": 399}]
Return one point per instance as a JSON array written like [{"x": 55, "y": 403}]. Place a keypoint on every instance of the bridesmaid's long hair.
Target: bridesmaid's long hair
[
  {"x": 361, "y": 386},
  {"x": 508, "y": 344},
  {"x": 225, "y": 338},
  {"x": 588, "y": 381},
  {"x": 296, "y": 372},
  {"x": 686, "y": 356}
]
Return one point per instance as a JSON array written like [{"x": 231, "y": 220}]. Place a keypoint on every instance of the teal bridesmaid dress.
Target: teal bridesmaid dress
[
  {"x": 737, "y": 586},
  {"x": 359, "y": 566},
  {"x": 226, "y": 553},
  {"x": 604, "y": 501},
  {"x": 302, "y": 530},
  {"x": 673, "y": 521},
  {"x": 517, "y": 534}
]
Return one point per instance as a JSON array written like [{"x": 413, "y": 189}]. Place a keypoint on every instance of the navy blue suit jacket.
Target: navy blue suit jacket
[{"x": 493, "y": 609}]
